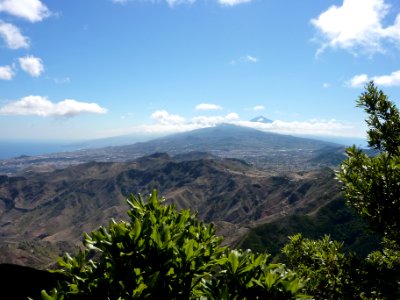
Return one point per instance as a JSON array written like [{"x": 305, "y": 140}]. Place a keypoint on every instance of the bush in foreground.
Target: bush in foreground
[{"x": 162, "y": 253}]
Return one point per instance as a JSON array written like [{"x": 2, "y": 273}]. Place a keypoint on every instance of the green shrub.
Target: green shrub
[
  {"x": 329, "y": 271},
  {"x": 165, "y": 254},
  {"x": 372, "y": 183}
]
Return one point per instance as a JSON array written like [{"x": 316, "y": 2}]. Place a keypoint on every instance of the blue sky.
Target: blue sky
[{"x": 72, "y": 70}]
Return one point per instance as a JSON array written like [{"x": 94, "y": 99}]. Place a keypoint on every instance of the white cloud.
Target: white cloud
[
  {"x": 231, "y": 117},
  {"x": 177, "y": 2},
  {"x": 357, "y": 25},
  {"x": 388, "y": 80},
  {"x": 250, "y": 58},
  {"x": 164, "y": 122},
  {"x": 393, "y": 79},
  {"x": 358, "y": 80},
  {"x": 258, "y": 107},
  {"x": 208, "y": 106},
  {"x": 393, "y": 32},
  {"x": 41, "y": 106},
  {"x": 204, "y": 121},
  {"x": 31, "y": 10},
  {"x": 6, "y": 73},
  {"x": 31, "y": 65},
  {"x": 245, "y": 59},
  {"x": 312, "y": 127},
  {"x": 169, "y": 123},
  {"x": 12, "y": 36},
  {"x": 165, "y": 118},
  {"x": 232, "y": 2}
]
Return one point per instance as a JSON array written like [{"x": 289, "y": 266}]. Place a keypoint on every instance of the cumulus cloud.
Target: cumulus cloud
[
  {"x": 31, "y": 10},
  {"x": 6, "y": 73},
  {"x": 358, "y": 80},
  {"x": 388, "y": 80},
  {"x": 207, "y": 121},
  {"x": 258, "y": 107},
  {"x": 31, "y": 65},
  {"x": 165, "y": 118},
  {"x": 164, "y": 122},
  {"x": 232, "y": 2},
  {"x": 393, "y": 79},
  {"x": 208, "y": 106},
  {"x": 313, "y": 127},
  {"x": 12, "y": 36},
  {"x": 357, "y": 25},
  {"x": 41, "y": 106}
]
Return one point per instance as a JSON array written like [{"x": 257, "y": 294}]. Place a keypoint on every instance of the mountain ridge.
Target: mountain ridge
[{"x": 269, "y": 150}]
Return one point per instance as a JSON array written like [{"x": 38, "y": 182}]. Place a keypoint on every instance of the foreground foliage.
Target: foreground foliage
[
  {"x": 165, "y": 254},
  {"x": 372, "y": 183},
  {"x": 324, "y": 264},
  {"x": 334, "y": 274},
  {"x": 372, "y": 187}
]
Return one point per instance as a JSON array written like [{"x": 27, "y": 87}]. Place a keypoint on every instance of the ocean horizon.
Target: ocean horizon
[{"x": 13, "y": 149}]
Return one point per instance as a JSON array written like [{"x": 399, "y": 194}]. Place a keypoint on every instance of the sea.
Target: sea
[{"x": 12, "y": 149}]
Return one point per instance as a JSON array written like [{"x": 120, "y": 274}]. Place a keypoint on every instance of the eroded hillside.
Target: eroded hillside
[{"x": 44, "y": 214}]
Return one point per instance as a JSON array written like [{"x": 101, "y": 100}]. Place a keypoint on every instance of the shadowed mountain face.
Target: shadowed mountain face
[
  {"x": 268, "y": 150},
  {"x": 335, "y": 218},
  {"x": 45, "y": 214},
  {"x": 261, "y": 119},
  {"x": 21, "y": 283}
]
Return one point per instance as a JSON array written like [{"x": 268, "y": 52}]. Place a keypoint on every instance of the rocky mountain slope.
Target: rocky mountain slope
[{"x": 44, "y": 214}]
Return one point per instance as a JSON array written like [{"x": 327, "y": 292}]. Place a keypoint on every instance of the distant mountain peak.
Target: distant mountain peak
[{"x": 261, "y": 119}]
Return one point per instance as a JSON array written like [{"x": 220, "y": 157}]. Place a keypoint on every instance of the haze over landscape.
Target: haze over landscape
[{"x": 88, "y": 70}]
